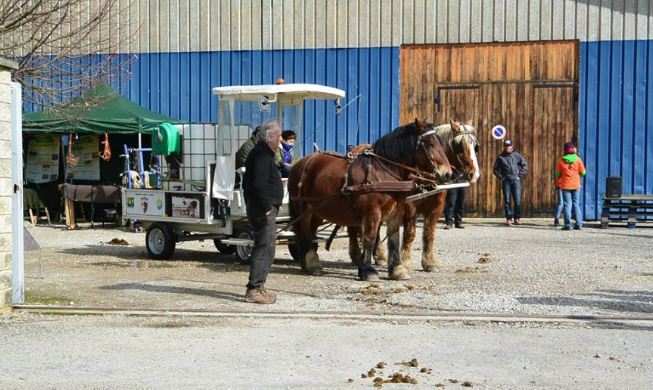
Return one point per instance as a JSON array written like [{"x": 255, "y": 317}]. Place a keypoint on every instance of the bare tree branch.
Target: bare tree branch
[{"x": 63, "y": 47}]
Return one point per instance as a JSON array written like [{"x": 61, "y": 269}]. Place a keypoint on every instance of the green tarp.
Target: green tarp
[{"x": 100, "y": 110}]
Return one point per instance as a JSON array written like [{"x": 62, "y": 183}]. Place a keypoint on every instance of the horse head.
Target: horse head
[
  {"x": 463, "y": 149},
  {"x": 429, "y": 151}
]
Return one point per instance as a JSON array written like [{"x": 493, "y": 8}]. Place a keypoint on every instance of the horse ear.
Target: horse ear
[
  {"x": 454, "y": 125},
  {"x": 419, "y": 123}
]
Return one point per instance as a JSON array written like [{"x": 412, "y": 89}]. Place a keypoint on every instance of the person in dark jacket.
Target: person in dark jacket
[
  {"x": 453, "y": 209},
  {"x": 263, "y": 192},
  {"x": 509, "y": 167},
  {"x": 246, "y": 148}
]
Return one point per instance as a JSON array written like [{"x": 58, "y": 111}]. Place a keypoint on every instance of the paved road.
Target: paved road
[{"x": 81, "y": 352}]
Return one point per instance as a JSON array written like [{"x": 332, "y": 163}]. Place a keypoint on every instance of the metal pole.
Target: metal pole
[{"x": 17, "y": 255}]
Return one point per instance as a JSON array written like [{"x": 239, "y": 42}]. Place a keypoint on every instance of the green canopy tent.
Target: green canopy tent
[{"x": 100, "y": 110}]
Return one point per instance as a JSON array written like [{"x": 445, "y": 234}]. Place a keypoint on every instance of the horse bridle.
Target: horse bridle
[
  {"x": 420, "y": 143},
  {"x": 465, "y": 134}
]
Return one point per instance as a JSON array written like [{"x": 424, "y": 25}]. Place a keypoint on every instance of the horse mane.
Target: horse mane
[
  {"x": 445, "y": 134},
  {"x": 399, "y": 144}
]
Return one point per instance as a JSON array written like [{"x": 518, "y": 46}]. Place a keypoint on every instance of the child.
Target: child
[{"x": 285, "y": 156}]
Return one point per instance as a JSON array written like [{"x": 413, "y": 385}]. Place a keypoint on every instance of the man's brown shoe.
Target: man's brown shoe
[
  {"x": 508, "y": 222},
  {"x": 517, "y": 221},
  {"x": 259, "y": 295}
]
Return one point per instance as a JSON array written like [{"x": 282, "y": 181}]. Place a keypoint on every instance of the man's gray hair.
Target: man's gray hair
[{"x": 268, "y": 128}]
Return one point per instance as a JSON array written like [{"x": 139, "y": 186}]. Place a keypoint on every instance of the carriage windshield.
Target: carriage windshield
[{"x": 242, "y": 108}]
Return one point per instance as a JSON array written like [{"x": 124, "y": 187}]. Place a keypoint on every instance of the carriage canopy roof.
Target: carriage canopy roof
[
  {"x": 304, "y": 91},
  {"x": 99, "y": 110}
]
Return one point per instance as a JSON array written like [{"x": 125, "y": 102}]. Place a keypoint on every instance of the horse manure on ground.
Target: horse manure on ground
[
  {"x": 118, "y": 241},
  {"x": 439, "y": 385},
  {"x": 483, "y": 260},
  {"x": 454, "y": 380},
  {"x": 372, "y": 289},
  {"x": 350, "y": 380},
  {"x": 470, "y": 270},
  {"x": 411, "y": 363},
  {"x": 409, "y": 286},
  {"x": 380, "y": 365},
  {"x": 397, "y": 377},
  {"x": 467, "y": 384},
  {"x": 371, "y": 372}
]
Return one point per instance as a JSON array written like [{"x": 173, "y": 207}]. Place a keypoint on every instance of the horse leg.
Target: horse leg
[
  {"x": 407, "y": 243},
  {"x": 380, "y": 257},
  {"x": 396, "y": 270},
  {"x": 355, "y": 254},
  {"x": 312, "y": 260},
  {"x": 366, "y": 270},
  {"x": 429, "y": 261}
]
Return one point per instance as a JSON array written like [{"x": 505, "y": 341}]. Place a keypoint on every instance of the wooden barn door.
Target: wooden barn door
[{"x": 530, "y": 88}]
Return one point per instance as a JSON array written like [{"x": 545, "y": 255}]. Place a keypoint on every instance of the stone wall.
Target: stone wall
[{"x": 6, "y": 185}]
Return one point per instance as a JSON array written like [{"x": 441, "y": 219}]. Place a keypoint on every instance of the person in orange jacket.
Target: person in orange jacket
[{"x": 569, "y": 170}]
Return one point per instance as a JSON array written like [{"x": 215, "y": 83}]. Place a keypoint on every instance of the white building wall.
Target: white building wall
[{"x": 6, "y": 188}]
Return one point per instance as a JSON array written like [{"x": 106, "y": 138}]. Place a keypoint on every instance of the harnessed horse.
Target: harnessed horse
[
  {"x": 363, "y": 190},
  {"x": 460, "y": 145}
]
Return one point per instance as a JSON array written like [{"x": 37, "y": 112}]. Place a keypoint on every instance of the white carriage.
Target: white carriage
[{"x": 198, "y": 196}]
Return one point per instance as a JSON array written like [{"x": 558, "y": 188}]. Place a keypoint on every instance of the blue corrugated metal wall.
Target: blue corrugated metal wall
[
  {"x": 616, "y": 118},
  {"x": 179, "y": 85},
  {"x": 615, "y": 106}
]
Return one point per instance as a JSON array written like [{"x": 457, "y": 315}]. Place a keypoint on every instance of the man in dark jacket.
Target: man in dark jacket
[
  {"x": 246, "y": 148},
  {"x": 263, "y": 193},
  {"x": 509, "y": 167}
]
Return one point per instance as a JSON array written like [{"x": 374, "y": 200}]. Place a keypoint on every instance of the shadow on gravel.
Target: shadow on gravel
[
  {"x": 614, "y": 325},
  {"x": 173, "y": 290},
  {"x": 611, "y": 300}
]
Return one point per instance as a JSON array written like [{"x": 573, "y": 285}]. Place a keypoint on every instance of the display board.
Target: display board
[
  {"x": 88, "y": 166},
  {"x": 42, "y": 163}
]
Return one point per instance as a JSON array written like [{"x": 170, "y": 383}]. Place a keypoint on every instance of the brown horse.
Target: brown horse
[
  {"x": 460, "y": 144},
  {"x": 363, "y": 191}
]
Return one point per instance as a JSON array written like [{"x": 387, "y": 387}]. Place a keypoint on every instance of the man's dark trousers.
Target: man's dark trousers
[
  {"x": 512, "y": 189},
  {"x": 453, "y": 209},
  {"x": 264, "y": 246}
]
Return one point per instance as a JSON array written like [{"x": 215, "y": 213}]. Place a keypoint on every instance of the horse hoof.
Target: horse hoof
[
  {"x": 370, "y": 277},
  {"x": 381, "y": 263},
  {"x": 429, "y": 267},
  {"x": 399, "y": 273},
  {"x": 314, "y": 272},
  {"x": 373, "y": 277}
]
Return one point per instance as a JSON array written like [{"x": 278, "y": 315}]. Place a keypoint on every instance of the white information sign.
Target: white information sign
[
  {"x": 42, "y": 165},
  {"x": 88, "y": 166}
]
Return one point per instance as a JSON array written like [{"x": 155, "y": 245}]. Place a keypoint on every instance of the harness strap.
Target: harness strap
[{"x": 417, "y": 177}]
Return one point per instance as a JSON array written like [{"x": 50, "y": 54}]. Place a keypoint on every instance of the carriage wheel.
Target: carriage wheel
[
  {"x": 224, "y": 249},
  {"x": 160, "y": 241},
  {"x": 244, "y": 252}
]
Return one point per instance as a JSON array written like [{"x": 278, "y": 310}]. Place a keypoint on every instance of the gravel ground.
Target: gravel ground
[
  {"x": 485, "y": 268},
  {"x": 115, "y": 352}
]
